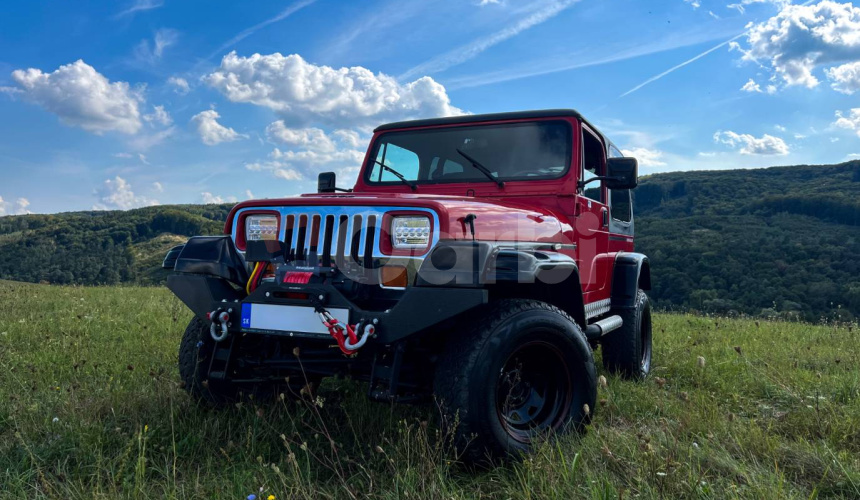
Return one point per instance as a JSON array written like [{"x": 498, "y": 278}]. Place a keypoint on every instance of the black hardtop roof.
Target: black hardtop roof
[{"x": 489, "y": 117}]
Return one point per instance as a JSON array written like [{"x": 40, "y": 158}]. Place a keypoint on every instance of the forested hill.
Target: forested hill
[
  {"x": 100, "y": 247},
  {"x": 782, "y": 241}
]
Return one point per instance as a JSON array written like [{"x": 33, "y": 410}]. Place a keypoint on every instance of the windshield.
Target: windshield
[{"x": 517, "y": 151}]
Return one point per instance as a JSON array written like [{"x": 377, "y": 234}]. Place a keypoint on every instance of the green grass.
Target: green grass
[{"x": 91, "y": 407}]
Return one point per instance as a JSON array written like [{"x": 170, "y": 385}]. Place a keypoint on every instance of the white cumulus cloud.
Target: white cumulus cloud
[
  {"x": 306, "y": 92},
  {"x": 751, "y": 145},
  {"x": 158, "y": 187},
  {"x": 802, "y": 37},
  {"x": 159, "y": 116},
  {"x": 851, "y": 121},
  {"x": 310, "y": 151},
  {"x": 82, "y": 97},
  {"x": 116, "y": 194},
  {"x": 751, "y": 86},
  {"x": 209, "y": 198},
  {"x": 180, "y": 85},
  {"x": 647, "y": 157},
  {"x": 18, "y": 207},
  {"x": 211, "y": 132},
  {"x": 845, "y": 78}
]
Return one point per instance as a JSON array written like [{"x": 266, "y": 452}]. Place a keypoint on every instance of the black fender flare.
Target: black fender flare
[
  {"x": 210, "y": 255},
  {"x": 631, "y": 272},
  {"x": 533, "y": 270}
]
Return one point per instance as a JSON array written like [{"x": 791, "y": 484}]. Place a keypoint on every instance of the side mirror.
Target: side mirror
[
  {"x": 623, "y": 173},
  {"x": 326, "y": 182}
]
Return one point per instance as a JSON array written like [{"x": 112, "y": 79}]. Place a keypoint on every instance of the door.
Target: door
[{"x": 592, "y": 221}]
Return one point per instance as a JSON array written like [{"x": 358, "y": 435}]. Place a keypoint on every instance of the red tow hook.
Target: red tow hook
[
  {"x": 339, "y": 331},
  {"x": 344, "y": 334}
]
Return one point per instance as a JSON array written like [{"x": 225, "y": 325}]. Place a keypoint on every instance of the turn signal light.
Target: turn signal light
[{"x": 394, "y": 276}]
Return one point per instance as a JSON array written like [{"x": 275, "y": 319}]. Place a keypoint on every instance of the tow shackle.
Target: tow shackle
[{"x": 219, "y": 320}]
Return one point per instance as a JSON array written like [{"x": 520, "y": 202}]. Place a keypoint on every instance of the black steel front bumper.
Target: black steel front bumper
[{"x": 419, "y": 308}]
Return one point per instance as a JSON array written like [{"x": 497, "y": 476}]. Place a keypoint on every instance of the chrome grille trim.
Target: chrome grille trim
[{"x": 339, "y": 248}]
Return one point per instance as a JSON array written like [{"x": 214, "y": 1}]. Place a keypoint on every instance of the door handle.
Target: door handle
[{"x": 605, "y": 213}]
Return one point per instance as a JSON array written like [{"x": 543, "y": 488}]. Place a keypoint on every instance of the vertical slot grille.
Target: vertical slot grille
[
  {"x": 370, "y": 231},
  {"x": 316, "y": 236},
  {"x": 328, "y": 232}
]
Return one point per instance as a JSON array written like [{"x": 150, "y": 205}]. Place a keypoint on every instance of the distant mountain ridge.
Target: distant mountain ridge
[{"x": 780, "y": 241}]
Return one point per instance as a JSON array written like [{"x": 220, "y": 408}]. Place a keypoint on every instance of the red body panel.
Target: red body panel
[{"x": 547, "y": 211}]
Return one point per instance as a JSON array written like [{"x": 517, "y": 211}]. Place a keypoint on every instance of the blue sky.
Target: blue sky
[{"x": 120, "y": 104}]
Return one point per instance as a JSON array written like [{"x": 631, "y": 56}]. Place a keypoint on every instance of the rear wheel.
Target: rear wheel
[
  {"x": 627, "y": 350},
  {"x": 525, "y": 370}
]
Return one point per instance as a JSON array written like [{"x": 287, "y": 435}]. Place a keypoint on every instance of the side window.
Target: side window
[
  {"x": 620, "y": 199},
  {"x": 400, "y": 159},
  {"x": 620, "y": 205},
  {"x": 592, "y": 165}
]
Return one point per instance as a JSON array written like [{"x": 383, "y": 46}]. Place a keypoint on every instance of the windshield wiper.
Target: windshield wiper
[
  {"x": 397, "y": 174},
  {"x": 484, "y": 170}
]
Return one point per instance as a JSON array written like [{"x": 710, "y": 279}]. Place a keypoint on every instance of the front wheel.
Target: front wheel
[
  {"x": 525, "y": 370},
  {"x": 195, "y": 354}
]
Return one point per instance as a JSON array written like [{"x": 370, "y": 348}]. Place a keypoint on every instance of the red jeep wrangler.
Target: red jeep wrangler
[{"x": 478, "y": 258}]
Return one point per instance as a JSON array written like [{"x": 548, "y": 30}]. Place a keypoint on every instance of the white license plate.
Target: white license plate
[{"x": 298, "y": 319}]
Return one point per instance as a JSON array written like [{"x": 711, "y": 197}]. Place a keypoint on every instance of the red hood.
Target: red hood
[{"x": 497, "y": 219}]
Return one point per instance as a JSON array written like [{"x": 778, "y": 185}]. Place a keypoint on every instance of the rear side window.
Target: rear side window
[{"x": 621, "y": 206}]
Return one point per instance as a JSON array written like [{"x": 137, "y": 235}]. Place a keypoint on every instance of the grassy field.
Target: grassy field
[{"x": 91, "y": 407}]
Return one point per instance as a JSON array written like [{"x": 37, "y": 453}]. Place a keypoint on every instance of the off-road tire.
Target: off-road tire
[
  {"x": 195, "y": 353},
  {"x": 469, "y": 374},
  {"x": 627, "y": 350}
]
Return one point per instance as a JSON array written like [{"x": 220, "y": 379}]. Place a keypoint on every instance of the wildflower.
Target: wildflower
[
  {"x": 270, "y": 497},
  {"x": 379, "y": 449},
  {"x": 586, "y": 409},
  {"x": 304, "y": 446},
  {"x": 661, "y": 474},
  {"x": 602, "y": 382},
  {"x": 695, "y": 445},
  {"x": 55, "y": 420},
  {"x": 252, "y": 497},
  {"x": 296, "y": 351},
  {"x": 146, "y": 428},
  {"x": 700, "y": 361},
  {"x": 199, "y": 344}
]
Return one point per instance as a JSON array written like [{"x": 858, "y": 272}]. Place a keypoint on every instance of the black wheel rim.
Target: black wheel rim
[
  {"x": 645, "y": 337},
  {"x": 534, "y": 391}
]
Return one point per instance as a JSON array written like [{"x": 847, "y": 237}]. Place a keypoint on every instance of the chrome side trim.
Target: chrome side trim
[{"x": 597, "y": 308}]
